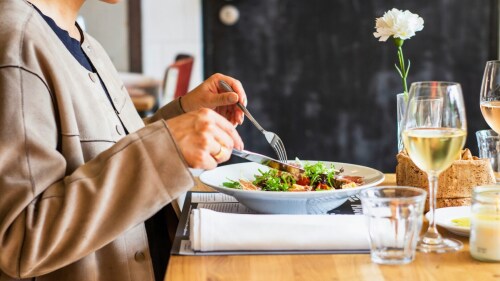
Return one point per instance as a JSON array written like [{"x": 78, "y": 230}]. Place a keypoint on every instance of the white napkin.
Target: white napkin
[{"x": 214, "y": 231}]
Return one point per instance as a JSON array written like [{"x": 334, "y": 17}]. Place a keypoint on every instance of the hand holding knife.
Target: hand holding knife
[{"x": 268, "y": 161}]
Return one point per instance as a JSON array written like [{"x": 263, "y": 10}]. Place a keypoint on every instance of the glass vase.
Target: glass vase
[{"x": 401, "y": 109}]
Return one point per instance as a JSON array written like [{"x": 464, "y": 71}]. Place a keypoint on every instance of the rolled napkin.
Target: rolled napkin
[{"x": 214, "y": 231}]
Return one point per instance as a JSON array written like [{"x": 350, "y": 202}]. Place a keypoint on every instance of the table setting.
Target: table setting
[
  {"x": 287, "y": 218},
  {"x": 303, "y": 265},
  {"x": 442, "y": 206}
]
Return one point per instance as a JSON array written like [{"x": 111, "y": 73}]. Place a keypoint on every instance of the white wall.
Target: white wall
[
  {"x": 168, "y": 28},
  {"x": 108, "y": 24}
]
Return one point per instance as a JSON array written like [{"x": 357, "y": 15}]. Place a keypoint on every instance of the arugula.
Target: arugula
[
  {"x": 274, "y": 180},
  {"x": 319, "y": 173},
  {"x": 232, "y": 184}
]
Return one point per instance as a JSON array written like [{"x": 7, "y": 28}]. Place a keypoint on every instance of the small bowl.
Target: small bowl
[{"x": 274, "y": 202}]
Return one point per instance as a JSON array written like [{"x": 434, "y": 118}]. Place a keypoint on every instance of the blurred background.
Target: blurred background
[{"x": 312, "y": 70}]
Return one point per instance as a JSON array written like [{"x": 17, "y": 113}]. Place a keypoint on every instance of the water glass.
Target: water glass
[
  {"x": 488, "y": 143},
  {"x": 394, "y": 216}
]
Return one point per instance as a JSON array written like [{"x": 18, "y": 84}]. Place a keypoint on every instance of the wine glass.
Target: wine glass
[
  {"x": 434, "y": 133},
  {"x": 490, "y": 95},
  {"x": 490, "y": 99}
]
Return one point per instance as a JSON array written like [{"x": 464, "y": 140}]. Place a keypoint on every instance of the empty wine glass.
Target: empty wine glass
[{"x": 434, "y": 133}]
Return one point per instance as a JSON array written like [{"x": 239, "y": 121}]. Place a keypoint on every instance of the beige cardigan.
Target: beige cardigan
[{"x": 74, "y": 191}]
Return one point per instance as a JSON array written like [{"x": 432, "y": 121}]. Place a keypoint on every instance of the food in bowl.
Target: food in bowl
[
  {"x": 316, "y": 177},
  {"x": 308, "y": 202}
]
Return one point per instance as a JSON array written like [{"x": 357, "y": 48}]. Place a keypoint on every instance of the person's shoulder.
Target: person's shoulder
[
  {"x": 14, "y": 11},
  {"x": 19, "y": 28}
]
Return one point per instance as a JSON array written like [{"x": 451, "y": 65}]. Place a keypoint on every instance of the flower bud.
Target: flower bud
[{"x": 398, "y": 42}]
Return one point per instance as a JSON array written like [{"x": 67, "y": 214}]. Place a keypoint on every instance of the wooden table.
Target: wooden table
[{"x": 450, "y": 266}]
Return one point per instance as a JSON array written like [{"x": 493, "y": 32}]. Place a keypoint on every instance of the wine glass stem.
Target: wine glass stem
[
  {"x": 496, "y": 164},
  {"x": 432, "y": 235}
]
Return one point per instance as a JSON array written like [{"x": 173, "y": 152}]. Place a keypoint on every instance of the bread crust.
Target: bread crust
[{"x": 455, "y": 184}]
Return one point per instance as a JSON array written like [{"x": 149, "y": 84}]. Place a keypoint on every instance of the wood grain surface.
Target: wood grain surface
[{"x": 451, "y": 266}]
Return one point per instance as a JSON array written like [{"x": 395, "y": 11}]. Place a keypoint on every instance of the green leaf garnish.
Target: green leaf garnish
[
  {"x": 274, "y": 180},
  {"x": 232, "y": 184},
  {"x": 319, "y": 173}
]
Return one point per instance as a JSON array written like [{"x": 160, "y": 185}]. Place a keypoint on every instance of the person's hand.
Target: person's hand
[
  {"x": 204, "y": 137},
  {"x": 209, "y": 95}
]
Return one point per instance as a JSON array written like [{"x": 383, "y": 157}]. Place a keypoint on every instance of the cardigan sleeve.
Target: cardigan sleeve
[
  {"x": 49, "y": 219},
  {"x": 170, "y": 110}
]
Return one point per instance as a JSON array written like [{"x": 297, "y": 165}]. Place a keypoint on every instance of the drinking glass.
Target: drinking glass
[
  {"x": 434, "y": 134},
  {"x": 394, "y": 216},
  {"x": 490, "y": 95},
  {"x": 488, "y": 142}
]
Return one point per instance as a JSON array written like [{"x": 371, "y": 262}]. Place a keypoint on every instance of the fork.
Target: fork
[{"x": 272, "y": 138}]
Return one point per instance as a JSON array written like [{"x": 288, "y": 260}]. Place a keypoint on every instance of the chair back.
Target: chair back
[{"x": 176, "y": 79}]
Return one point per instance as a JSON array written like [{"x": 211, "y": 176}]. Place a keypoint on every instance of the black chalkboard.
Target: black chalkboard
[{"x": 315, "y": 74}]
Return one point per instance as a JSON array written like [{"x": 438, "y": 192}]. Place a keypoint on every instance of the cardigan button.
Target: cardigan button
[
  {"x": 139, "y": 256},
  {"x": 93, "y": 76},
  {"x": 119, "y": 130}
]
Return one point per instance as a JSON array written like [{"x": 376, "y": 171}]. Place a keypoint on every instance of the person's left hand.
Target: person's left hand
[{"x": 209, "y": 95}]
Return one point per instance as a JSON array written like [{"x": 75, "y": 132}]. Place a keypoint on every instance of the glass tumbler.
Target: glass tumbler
[{"x": 394, "y": 216}]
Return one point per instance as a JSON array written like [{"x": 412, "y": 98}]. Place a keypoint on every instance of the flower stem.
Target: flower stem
[{"x": 403, "y": 70}]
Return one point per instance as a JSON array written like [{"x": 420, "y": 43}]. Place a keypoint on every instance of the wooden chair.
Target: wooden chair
[{"x": 176, "y": 79}]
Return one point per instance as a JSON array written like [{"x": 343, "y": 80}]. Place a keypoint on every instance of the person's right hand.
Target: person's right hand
[{"x": 204, "y": 137}]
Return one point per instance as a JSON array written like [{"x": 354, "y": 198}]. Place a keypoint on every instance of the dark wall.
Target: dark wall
[{"x": 315, "y": 74}]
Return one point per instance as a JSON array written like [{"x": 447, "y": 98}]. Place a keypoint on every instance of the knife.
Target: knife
[{"x": 268, "y": 161}]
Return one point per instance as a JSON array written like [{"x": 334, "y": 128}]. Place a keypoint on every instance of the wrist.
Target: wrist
[{"x": 180, "y": 105}]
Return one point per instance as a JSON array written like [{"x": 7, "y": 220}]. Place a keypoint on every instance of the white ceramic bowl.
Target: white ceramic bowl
[{"x": 271, "y": 202}]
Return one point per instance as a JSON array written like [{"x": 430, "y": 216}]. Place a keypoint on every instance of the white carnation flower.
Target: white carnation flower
[{"x": 398, "y": 24}]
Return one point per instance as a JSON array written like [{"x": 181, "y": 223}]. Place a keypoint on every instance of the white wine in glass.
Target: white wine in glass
[
  {"x": 490, "y": 95},
  {"x": 434, "y": 133}
]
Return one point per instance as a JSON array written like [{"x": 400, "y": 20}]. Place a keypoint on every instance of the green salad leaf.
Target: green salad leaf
[
  {"x": 232, "y": 184},
  {"x": 320, "y": 173},
  {"x": 274, "y": 180}
]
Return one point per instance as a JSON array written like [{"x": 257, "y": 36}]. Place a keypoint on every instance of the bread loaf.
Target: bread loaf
[{"x": 454, "y": 185}]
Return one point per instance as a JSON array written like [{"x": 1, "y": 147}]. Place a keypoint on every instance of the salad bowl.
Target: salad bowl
[{"x": 287, "y": 202}]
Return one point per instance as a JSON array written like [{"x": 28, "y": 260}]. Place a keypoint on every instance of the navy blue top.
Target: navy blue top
[{"x": 73, "y": 46}]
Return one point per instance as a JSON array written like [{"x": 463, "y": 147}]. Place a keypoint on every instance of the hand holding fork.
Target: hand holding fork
[{"x": 272, "y": 138}]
